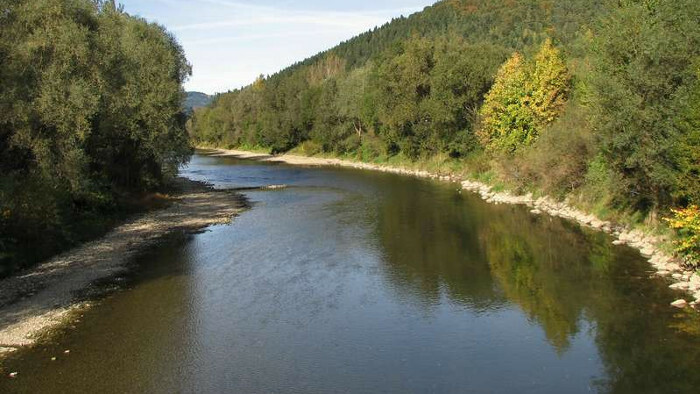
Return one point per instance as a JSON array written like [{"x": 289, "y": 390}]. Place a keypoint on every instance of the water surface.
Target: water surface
[{"x": 351, "y": 281}]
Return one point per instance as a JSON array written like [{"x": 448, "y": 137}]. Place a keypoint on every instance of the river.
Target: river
[{"x": 362, "y": 282}]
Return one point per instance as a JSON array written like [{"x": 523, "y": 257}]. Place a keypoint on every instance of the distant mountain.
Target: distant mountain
[{"x": 197, "y": 100}]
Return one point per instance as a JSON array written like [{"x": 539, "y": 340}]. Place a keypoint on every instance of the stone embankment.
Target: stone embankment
[{"x": 650, "y": 246}]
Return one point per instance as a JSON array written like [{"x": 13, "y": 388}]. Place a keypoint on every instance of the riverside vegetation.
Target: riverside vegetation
[
  {"x": 597, "y": 102},
  {"x": 91, "y": 121}
]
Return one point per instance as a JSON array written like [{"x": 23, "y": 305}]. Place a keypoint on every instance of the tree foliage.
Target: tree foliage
[
  {"x": 687, "y": 223},
  {"x": 90, "y": 106},
  {"x": 524, "y": 100},
  {"x": 643, "y": 58}
]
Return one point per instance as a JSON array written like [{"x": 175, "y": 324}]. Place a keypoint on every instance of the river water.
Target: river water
[{"x": 363, "y": 282}]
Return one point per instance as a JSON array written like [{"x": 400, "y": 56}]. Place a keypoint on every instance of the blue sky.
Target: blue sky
[{"x": 230, "y": 42}]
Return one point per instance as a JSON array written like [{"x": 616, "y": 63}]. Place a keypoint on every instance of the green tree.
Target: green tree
[
  {"x": 643, "y": 57},
  {"x": 90, "y": 109}
]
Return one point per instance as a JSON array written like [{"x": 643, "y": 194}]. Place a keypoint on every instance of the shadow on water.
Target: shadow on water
[{"x": 353, "y": 281}]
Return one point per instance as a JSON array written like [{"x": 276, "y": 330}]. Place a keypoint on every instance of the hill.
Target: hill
[{"x": 195, "y": 100}]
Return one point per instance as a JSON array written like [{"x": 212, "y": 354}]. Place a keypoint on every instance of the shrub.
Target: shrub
[
  {"x": 686, "y": 222},
  {"x": 558, "y": 160}
]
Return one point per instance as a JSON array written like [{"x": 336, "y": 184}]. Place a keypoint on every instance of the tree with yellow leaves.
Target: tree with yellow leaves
[
  {"x": 548, "y": 85},
  {"x": 524, "y": 99}
]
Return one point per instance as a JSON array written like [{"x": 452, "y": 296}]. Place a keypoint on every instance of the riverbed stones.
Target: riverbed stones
[{"x": 680, "y": 303}]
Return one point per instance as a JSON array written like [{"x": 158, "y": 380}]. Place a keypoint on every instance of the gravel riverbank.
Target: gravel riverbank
[{"x": 43, "y": 297}]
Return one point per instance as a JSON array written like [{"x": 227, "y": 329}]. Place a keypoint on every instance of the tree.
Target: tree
[
  {"x": 524, "y": 100},
  {"x": 643, "y": 60},
  {"x": 507, "y": 121},
  {"x": 90, "y": 109},
  {"x": 548, "y": 85}
]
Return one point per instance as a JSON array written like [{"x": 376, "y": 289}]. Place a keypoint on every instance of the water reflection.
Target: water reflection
[
  {"x": 563, "y": 277},
  {"x": 431, "y": 244}
]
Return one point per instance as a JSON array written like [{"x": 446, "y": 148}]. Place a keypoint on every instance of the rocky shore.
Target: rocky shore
[
  {"x": 650, "y": 246},
  {"x": 44, "y": 297}
]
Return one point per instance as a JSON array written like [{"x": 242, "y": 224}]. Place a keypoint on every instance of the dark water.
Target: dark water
[{"x": 354, "y": 281}]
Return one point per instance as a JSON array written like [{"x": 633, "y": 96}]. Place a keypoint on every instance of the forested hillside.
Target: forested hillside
[
  {"x": 91, "y": 112},
  {"x": 598, "y": 101}
]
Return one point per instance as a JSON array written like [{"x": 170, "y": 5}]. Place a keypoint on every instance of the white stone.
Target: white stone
[
  {"x": 679, "y": 303},
  {"x": 647, "y": 251},
  {"x": 679, "y": 286},
  {"x": 695, "y": 278}
]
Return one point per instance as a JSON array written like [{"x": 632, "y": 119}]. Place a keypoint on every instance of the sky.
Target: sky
[{"x": 231, "y": 42}]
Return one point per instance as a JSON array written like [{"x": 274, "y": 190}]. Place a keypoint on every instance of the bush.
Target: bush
[
  {"x": 558, "y": 161},
  {"x": 350, "y": 144},
  {"x": 686, "y": 222},
  {"x": 371, "y": 149},
  {"x": 310, "y": 148}
]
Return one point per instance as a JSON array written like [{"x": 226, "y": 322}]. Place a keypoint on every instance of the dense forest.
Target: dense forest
[
  {"x": 91, "y": 115},
  {"x": 597, "y": 101}
]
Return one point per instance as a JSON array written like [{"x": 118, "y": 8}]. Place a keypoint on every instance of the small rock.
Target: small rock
[
  {"x": 53, "y": 358},
  {"x": 12, "y": 374},
  {"x": 595, "y": 223},
  {"x": 680, "y": 286},
  {"x": 648, "y": 251},
  {"x": 679, "y": 303},
  {"x": 66, "y": 351},
  {"x": 695, "y": 278},
  {"x": 618, "y": 242},
  {"x": 677, "y": 276},
  {"x": 535, "y": 212}
]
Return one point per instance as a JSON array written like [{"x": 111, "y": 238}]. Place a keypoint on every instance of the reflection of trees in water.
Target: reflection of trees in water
[
  {"x": 430, "y": 242},
  {"x": 548, "y": 277},
  {"x": 437, "y": 243}
]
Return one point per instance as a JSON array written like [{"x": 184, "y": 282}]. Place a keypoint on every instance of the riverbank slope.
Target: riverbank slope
[
  {"x": 41, "y": 298},
  {"x": 650, "y": 245}
]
